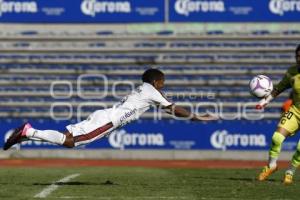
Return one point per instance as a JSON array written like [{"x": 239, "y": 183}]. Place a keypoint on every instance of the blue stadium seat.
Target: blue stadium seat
[
  {"x": 166, "y": 32},
  {"x": 29, "y": 33},
  {"x": 105, "y": 33}
]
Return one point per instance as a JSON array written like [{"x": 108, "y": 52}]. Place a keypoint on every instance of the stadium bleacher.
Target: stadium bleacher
[{"x": 195, "y": 64}]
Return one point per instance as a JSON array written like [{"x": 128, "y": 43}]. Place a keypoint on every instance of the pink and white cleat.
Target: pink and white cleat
[
  {"x": 27, "y": 126},
  {"x": 17, "y": 136}
]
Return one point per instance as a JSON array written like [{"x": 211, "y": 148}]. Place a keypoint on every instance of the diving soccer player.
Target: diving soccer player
[{"x": 103, "y": 122}]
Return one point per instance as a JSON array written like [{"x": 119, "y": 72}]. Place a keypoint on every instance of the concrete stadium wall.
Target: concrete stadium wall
[
  {"x": 154, "y": 27},
  {"x": 143, "y": 154}
]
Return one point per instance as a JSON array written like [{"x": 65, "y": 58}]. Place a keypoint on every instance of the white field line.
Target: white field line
[{"x": 45, "y": 192}]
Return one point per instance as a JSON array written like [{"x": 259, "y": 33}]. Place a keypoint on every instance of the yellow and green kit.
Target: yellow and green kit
[{"x": 290, "y": 120}]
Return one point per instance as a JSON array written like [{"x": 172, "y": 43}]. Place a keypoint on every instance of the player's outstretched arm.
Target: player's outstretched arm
[
  {"x": 282, "y": 86},
  {"x": 266, "y": 100},
  {"x": 179, "y": 111}
]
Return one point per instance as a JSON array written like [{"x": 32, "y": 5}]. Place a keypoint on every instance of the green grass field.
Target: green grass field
[{"x": 117, "y": 183}]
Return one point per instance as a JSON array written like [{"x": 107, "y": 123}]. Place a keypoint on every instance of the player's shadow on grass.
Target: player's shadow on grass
[
  {"x": 252, "y": 179},
  {"x": 78, "y": 183},
  {"x": 248, "y": 179}
]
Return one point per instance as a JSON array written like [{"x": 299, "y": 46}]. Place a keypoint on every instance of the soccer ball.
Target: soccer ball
[{"x": 260, "y": 86}]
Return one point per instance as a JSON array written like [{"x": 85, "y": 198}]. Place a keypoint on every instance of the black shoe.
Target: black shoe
[{"x": 15, "y": 137}]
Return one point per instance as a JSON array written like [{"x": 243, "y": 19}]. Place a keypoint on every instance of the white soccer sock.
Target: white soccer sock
[
  {"x": 46, "y": 135},
  {"x": 272, "y": 162},
  {"x": 291, "y": 170},
  {"x": 34, "y": 138}
]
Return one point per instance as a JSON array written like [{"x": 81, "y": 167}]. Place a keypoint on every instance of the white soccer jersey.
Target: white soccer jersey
[
  {"x": 102, "y": 122},
  {"x": 135, "y": 104}
]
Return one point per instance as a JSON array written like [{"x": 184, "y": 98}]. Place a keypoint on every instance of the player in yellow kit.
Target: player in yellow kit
[{"x": 288, "y": 125}]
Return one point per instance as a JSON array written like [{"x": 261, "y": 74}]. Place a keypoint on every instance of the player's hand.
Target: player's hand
[
  {"x": 264, "y": 102},
  {"x": 208, "y": 117}
]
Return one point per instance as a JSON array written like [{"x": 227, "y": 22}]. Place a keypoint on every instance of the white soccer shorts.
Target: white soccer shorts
[{"x": 96, "y": 126}]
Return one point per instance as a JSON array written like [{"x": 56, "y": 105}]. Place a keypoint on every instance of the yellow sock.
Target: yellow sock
[
  {"x": 296, "y": 156},
  {"x": 275, "y": 149}
]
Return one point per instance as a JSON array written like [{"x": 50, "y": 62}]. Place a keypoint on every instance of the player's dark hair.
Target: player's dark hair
[
  {"x": 297, "y": 49},
  {"x": 151, "y": 75}
]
